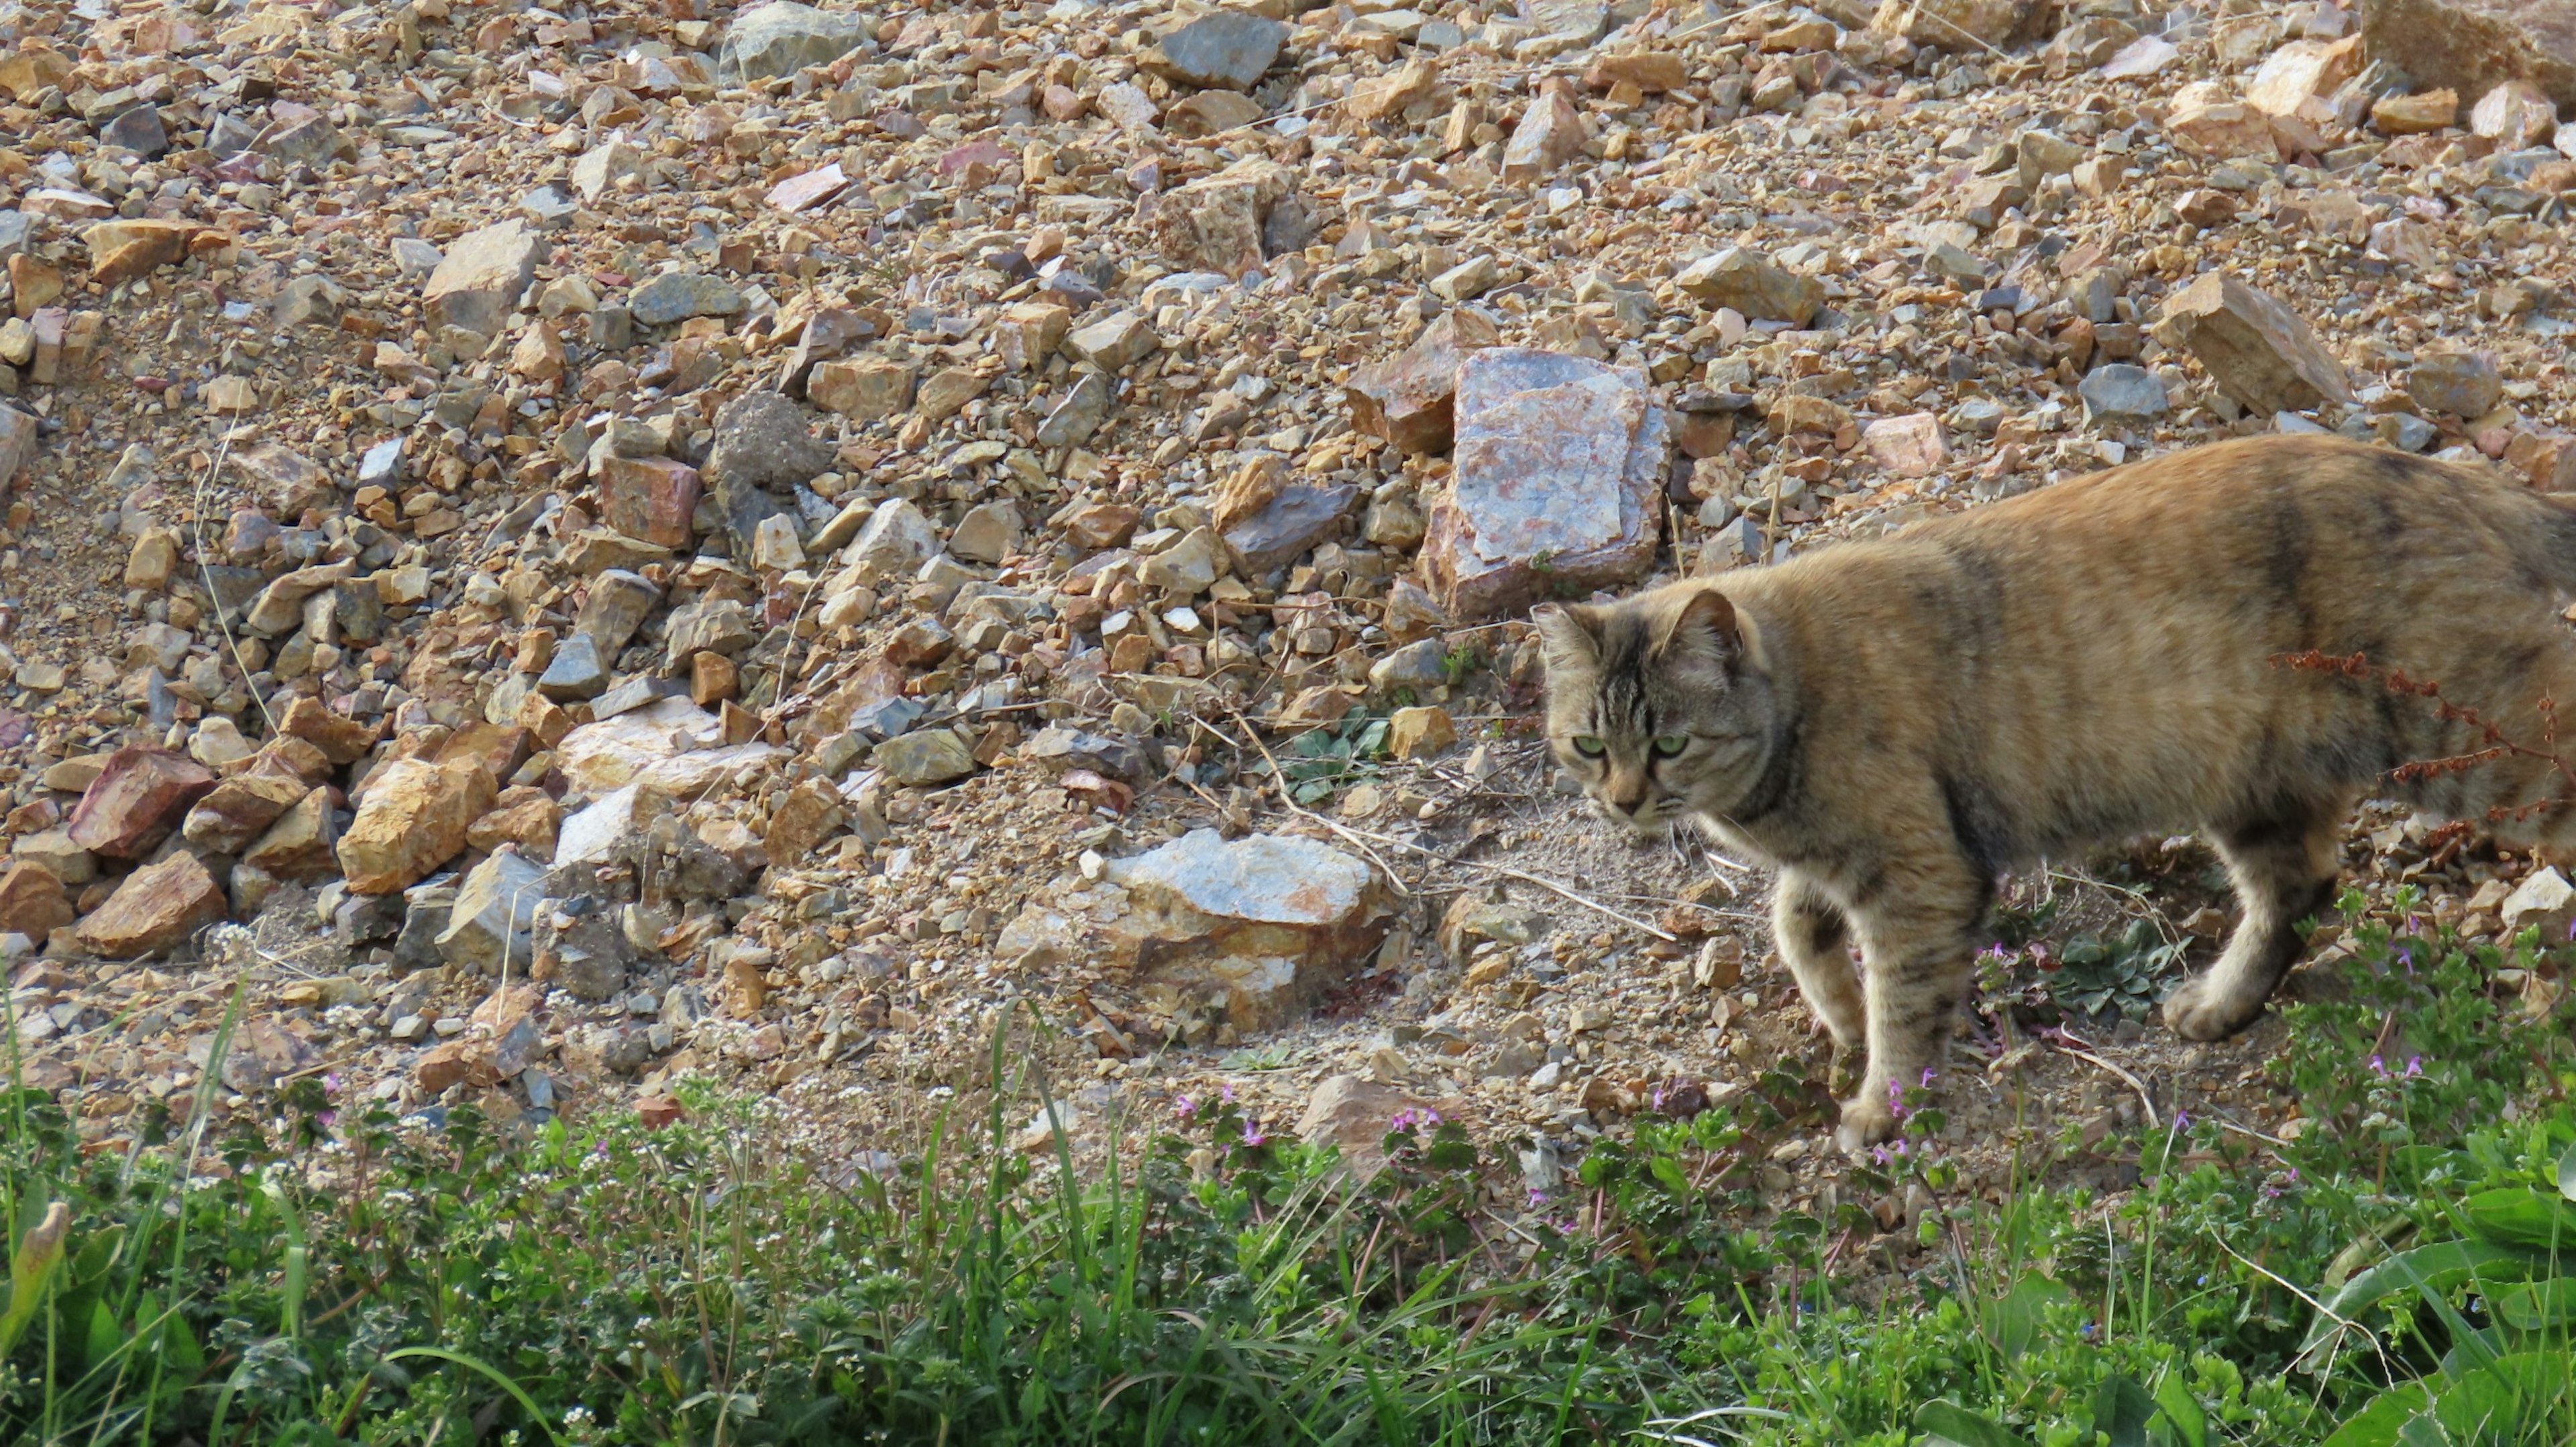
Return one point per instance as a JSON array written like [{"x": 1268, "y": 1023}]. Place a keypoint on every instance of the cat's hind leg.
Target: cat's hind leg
[{"x": 2283, "y": 862}]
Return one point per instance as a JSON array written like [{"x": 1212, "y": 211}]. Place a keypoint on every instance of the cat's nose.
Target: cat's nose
[{"x": 1628, "y": 794}]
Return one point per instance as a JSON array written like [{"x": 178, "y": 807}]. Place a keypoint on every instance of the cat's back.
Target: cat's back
[{"x": 2299, "y": 538}]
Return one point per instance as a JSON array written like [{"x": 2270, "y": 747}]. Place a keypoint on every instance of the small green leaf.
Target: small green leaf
[
  {"x": 2121, "y": 1410},
  {"x": 2378, "y": 1424},
  {"x": 2180, "y": 1421},
  {"x": 2516, "y": 1216},
  {"x": 2567, "y": 1174},
  {"x": 1947, "y": 1424}
]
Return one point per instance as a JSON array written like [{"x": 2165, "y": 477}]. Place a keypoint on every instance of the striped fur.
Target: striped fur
[{"x": 1895, "y": 723}]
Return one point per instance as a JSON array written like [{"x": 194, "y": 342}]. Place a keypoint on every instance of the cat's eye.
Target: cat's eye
[
  {"x": 1588, "y": 746},
  {"x": 1667, "y": 745}
]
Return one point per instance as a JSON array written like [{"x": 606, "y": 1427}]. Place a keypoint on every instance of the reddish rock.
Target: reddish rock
[
  {"x": 154, "y": 911},
  {"x": 1409, "y": 399},
  {"x": 650, "y": 498},
  {"x": 137, "y": 800},
  {"x": 240, "y": 808},
  {"x": 456, "y": 1062},
  {"x": 32, "y": 903},
  {"x": 1908, "y": 446}
]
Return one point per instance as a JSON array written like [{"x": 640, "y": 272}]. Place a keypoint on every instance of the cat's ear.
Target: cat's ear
[
  {"x": 1565, "y": 637},
  {"x": 1703, "y": 633}
]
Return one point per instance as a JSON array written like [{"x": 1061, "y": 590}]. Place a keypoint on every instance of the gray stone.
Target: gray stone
[
  {"x": 1301, "y": 517},
  {"x": 895, "y": 541},
  {"x": 1059, "y": 747},
  {"x": 14, "y": 230},
  {"x": 18, "y": 432},
  {"x": 139, "y": 130},
  {"x": 482, "y": 277},
  {"x": 710, "y": 625},
  {"x": 1555, "y": 485},
  {"x": 580, "y": 949},
  {"x": 676, "y": 296},
  {"x": 2462, "y": 383},
  {"x": 309, "y": 301},
  {"x": 426, "y": 907},
  {"x": 933, "y": 756},
  {"x": 1257, "y": 927},
  {"x": 987, "y": 533},
  {"x": 414, "y": 257},
  {"x": 1225, "y": 48},
  {"x": 381, "y": 465},
  {"x": 494, "y": 914},
  {"x": 549, "y": 208},
  {"x": 762, "y": 449},
  {"x": 782, "y": 38},
  {"x": 618, "y": 604},
  {"x": 635, "y": 693},
  {"x": 1078, "y": 415},
  {"x": 1419, "y": 666},
  {"x": 576, "y": 671},
  {"x": 2120, "y": 394},
  {"x": 887, "y": 718}
]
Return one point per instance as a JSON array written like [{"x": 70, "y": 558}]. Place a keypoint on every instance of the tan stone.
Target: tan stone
[
  {"x": 1419, "y": 733},
  {"x": 154, "y": 911},
  {"x": 2258, "y": 351},
  {"x": 32, "y": 902},
  {"x": 414, "y": 818},
  {"x": 298, "y": 846}
]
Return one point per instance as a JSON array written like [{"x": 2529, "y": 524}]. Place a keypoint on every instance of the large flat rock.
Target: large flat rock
[{"x": 1558, "y": 461}]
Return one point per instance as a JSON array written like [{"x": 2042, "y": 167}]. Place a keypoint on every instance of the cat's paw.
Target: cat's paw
[
  {"x": 1847, "y": 1035},
  {"x": 1867, "y": 1120},
  {"x": 2197, "y": 1010}
]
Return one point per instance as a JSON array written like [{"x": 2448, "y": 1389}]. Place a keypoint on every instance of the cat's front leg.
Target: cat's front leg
[
  {"x": 1917, "y": 956},
  {"x": 1814, "y": 941}
]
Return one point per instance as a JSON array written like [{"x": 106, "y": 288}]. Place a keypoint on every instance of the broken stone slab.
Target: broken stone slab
[
  {"x": 1299, "y": 518},
  {"x": 618, "y": 603},
  {"x": 412, "y": 818},
  {"x": 1908, "y": 446},
  {"x": 18, "y": 441},
  {"x": 1259, "y": 926},
  {"x": 2122, "y": 395},
  {"x": 1084, "y": 408},
  {"x": 580, "y": 947},
  {"x": 155, "y": 911},
  {"x": 2543, "y": 899},
  {"x": 2472, "y": 46},
  {"x": 1746, "y": 280},
  {"x": 482, "y": 277},
  {"x": 2258, "y": 351},
  {"x": 897, "y": 539},
  {"x": 676, "y": 296},
  {"x": 782, "y": 38},
  {"x": 651, "y": 498},
  {"x": 1551, "y": 132},
  {"x": 670, "y": 747},
  {"x": 137, "y": 800},
  {"x": 1408, "y": 398},
  {"x": 240, "y": 808},
  {"x": 495, "y": 914},
  {"x": 926, "y": 758},
  {"x": 298, "y": 847},
  {"x": 1559, "y": 461},
  {"x": 1216, "y": 223},
  {"x": 1228, "y": 49}
]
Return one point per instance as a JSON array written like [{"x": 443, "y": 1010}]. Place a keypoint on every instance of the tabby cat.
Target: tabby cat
[{"x": 1895, "y": 723}]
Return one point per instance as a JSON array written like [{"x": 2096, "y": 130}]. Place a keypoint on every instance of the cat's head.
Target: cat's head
[{"x": 1652, "y": 705}]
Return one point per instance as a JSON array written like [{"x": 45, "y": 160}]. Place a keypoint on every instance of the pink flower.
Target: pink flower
[
  {"x": 1252, "y": 1135},
  {"x": 1185, "y": 1108}
]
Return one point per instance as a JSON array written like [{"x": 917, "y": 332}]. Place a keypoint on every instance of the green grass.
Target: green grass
[{"x": 327, "y": 1276}]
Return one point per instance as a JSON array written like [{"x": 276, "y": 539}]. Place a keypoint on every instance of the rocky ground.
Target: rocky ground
[{"x": 561, "y": 549}]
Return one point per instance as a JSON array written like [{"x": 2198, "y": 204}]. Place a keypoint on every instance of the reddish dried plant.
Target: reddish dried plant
[{"x": 2497, "y": 743}]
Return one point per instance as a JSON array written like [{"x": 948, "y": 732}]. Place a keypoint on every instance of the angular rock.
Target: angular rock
[
  {"x": 931, "y": 756},
  {"x": 1073, "y": 420},
  {"x": 154, "y": 911},
  {"x": 782, "y": 38},
  {"x": 868, "y": 388},
  {"x": 2462, "y": 383},
  {"x": 806, "y": 816},
  {"x": 138, "y": 798},
  {"x": 1215, "y": 223},
  {"x": 651, "y": 498},
  {"x": 1419, "y": 733},
  {"x": 18, "y": 441},
  {"x": 1551, "y": 132},
  {"x": 1908, "y": 446},
  {"x": 580, "y": 948},
  {"x": 2300, "y": 72},
  {"x": 240, "y": 808},
  {"x": 1118, "y": 340},
  {"x": 32, "y": 902},
  {"x": 341, "y": 740},
  {"x": 1259, "y": 926},
  {"x": 895, "y": 542},
  {"x": 298, "y": 847},
  {"x": 709, "y": 625},
  {"x": 2258, "y": 351},
  {"x": 482, "y": 277},
  {"x": 2543, "y": 899},
  {"x": 2516, "y": 115},
  {"x": 1224, "y": 48},
  {"x": 1957, "y": 25},
  {"x": 1555, "y": 483},
  {"x": 412, "y": 819},
  {"x": 1299, "y": 518},
  {"x": 617, "y": 605},
  {"x": 1354, "y": 1117},
  {"x": 2417, "y": 114},
  {"x": 2122, "y": 395},
  {"x": 676, "y": 296},
  {"x": 1744, "y": 279},
  {"x": 576, "y": 671},
  {"x": 2472, "y": 46},
  {"x": 1408, "y": 398},
  {"x": 495, "y": 915},
  {"x": 988, "y": 533}
]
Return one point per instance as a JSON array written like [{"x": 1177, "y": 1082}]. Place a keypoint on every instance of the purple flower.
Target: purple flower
[
  {"x": 2414, "y": 1066},
  {"x": 1185, "y": 1108},
  {"x": 1225, "y": 1093},
  {"x": 1896, "y": 1101},
  {"x": 2182, "y": 1121},
  {"x": 1252, "y": 1135},
  {"x": 1928, "y": 1073},
  {"x": 2377, "y": 1068},
  {"x": 1537, "y": 1198}
]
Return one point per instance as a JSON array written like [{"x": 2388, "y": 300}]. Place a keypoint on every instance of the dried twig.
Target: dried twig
[{"x": 2065, "y": 1044}]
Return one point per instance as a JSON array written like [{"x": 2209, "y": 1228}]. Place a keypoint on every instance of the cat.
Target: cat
[{"x": 1895, "y": 723}]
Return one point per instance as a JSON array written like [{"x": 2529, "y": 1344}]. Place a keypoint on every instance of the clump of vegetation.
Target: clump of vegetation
[{"x": 2395, "y": 1271}]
